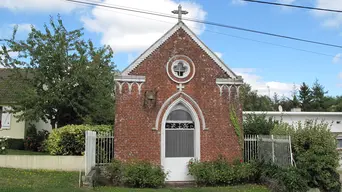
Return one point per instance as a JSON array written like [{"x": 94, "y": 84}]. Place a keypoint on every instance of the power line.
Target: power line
[
  {"x": 296, "y": 6},
  {"x": 206, "y": 22},
  {"x": 273, "y": 44},
  {"x": 234, "y": 36}
]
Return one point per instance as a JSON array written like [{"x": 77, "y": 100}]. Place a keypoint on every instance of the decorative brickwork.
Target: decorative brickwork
[{"x": 136, "y": 134}]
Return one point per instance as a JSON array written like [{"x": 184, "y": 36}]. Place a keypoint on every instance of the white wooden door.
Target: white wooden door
[{"x": 179, "y": 144}]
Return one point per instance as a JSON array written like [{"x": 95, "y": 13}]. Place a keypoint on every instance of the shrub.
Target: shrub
[
  {"x": 34, "y": 141},
  {"x": 70, "y": 139},
  {"x": 114, "y": 173},
  {"x": 283, "y": 128},
  {"x": 314, "y": 148},
  {"x": 17, "y": 144},
  {"x": 143, "y": 175},
  {"x": 220, "y": 172},
  {"x": 283, "y": 179},
  {"x": 257, "y": 124},
  {"x": 138, "y": 174},
  {"x": 3, "y": 145}
]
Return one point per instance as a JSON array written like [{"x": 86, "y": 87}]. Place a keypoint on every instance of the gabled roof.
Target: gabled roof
[{"x": 158, "y": 43}]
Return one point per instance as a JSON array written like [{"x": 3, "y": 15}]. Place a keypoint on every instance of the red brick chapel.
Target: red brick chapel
[{"x": 173, "y": 104}]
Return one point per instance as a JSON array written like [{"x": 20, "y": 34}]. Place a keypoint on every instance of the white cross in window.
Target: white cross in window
[
  {"x": 180, "y": 69},
  {"x": 180, "y": 87}
]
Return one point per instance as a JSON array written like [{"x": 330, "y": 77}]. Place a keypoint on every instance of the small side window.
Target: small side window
[
  {"x": 339, "y": 143},
  {"x": 338, "y": 122}
]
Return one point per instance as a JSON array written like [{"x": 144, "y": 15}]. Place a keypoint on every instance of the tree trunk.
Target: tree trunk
[{"x": 53, "y": 123}]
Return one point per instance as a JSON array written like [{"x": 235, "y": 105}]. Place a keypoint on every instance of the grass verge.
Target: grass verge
[{"x": 18, "y": 180}]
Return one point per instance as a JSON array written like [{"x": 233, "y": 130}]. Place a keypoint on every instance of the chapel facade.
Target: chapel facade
[{"x": 173, "y": 104}]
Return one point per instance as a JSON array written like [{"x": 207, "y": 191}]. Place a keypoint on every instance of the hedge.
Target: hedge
[
  {"x": 17, "y": 144},
  {"x": 136, "y": 174},
  {"x": 70, "y": 139}
]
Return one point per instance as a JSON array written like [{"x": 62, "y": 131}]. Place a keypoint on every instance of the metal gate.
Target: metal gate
[
  {"x": 99, "y": 149},
  {"x": 269, "y": 148}
]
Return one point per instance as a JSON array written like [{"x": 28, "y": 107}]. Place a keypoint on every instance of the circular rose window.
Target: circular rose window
[{"x": 180, "y": 69}]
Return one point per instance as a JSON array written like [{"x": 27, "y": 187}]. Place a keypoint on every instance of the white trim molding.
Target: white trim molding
[
  {"x": 196, "y": 120},
  {"x": 165, "y": 37},
  {"x": 130, "y": 80},
  {"x": 228, "y": 84},
  {"x": 230, "y": 81},
  {"x": 167, "y": 103},
  {"x": 191, "y": 70}
]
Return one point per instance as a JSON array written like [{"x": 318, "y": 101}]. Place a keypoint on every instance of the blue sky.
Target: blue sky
[{"x": 264, "y": 66}]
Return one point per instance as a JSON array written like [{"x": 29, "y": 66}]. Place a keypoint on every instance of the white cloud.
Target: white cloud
[
  {"x": 39, "y": 5},
  {"x": 238, "y": 2},
  {"x": 126, "y": 31},
  {"x": 330, "y": 19},
  {"x": 6, "y": 30},
  {"x": 264, "y": 87},
  {"x": 130, "y": 58},
  {"x": 219, "y": 54},
  {"x": 11, "y": 54},
  {"x": 284, "y": 8},
  {"x": 23, "y": 27},
  {"x": 337, "y": 58},
  {"x": 340, "y": 75},
  {"x": 286, "y": 1}
]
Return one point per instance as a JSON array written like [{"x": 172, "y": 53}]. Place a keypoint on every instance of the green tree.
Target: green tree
[
  {"x": 276, "y": 101},
  {"x": 62, "y": 78},
  {"x": 258, "y": 124},
  {"x": 286, "y": 103},
  {"x": 314, "y": 148},
  {"x": 251, "y": 101},
  {"x": 294, "y": 102},
  {"x": 333, "y": 104},
  {"x": 318, "y": 94},
  {"x": 305, "y": 97},
  {"x": 264, "y": 103}
]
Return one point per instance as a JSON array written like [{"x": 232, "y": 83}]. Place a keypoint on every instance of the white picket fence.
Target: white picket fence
[
  {"x": 270, "y": 148},
  {"x": 99, "y": 149}
]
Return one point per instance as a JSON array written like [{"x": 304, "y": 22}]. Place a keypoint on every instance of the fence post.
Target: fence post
[
  {"x": 272, "y": 139},
  {"x": 90, "y": 151},
  {"x": 290, "y": 150},
  {"x": 257, "y": 146},
  {"x": 86, "y": 153}
]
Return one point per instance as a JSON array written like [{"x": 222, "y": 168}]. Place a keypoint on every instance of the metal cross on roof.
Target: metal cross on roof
[{"x": 180, "y": 12}]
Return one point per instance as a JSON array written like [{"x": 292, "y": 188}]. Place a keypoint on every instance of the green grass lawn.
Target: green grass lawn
[
  {"x": 17, "y": 180},
  {"x": 242, "y": 188},
  {"x": 23, "y": 152}
]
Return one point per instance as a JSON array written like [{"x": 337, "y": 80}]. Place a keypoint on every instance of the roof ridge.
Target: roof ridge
[{"x": 166, "y": 36}]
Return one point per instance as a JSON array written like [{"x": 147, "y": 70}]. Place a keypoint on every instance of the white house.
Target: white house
[
  {"x": 293, "y": 117},
  {"x": 12, "y": 128},
  {"x": 9, "y": 125}
]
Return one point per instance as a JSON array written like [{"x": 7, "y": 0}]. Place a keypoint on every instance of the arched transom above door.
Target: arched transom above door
[
  {"x": 179, "y": 118},
  {"x": 180, "y": 69}
]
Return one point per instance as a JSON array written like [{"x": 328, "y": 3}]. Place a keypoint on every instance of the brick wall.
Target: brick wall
[{"x": 134, "y": 137}]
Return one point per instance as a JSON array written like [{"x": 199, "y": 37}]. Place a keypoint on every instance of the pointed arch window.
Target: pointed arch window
[
  {"x": 179, "y": 129},
  {"x": 179, "y": 118}
]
